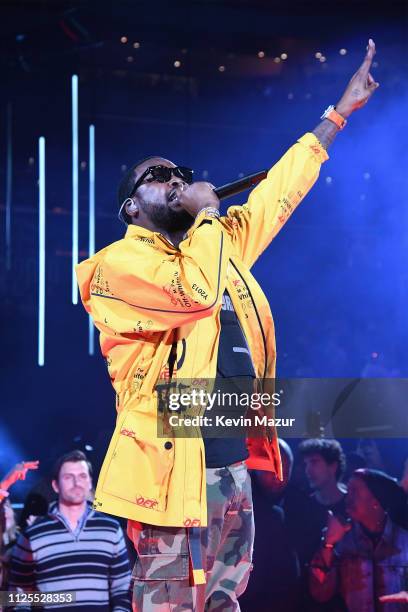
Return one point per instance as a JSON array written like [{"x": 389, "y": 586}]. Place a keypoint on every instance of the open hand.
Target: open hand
[{"x": 361, "y": 86}]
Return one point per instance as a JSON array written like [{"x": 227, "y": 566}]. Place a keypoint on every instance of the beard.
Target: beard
[{"x": 166, "y": 218}]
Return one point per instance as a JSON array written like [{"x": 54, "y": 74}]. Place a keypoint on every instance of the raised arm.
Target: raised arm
[
  {"x": 254, "y": 225},
  {"x": 359, "y": 90}
]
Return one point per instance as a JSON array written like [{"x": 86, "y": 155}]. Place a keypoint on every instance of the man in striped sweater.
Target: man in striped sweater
[{"x": 74, "y": 548}]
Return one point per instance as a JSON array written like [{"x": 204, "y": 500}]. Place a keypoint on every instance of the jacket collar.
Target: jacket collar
[
  {"x": 387, "y": 534},
  {"x": 53, "y": 509},
  {"x": 137, "y": 231}
]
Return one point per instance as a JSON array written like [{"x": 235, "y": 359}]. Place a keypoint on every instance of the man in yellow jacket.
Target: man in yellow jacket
[{"x": 175, "y": 299}]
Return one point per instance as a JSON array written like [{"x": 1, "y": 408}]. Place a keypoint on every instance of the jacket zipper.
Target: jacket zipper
[{"x": 257, "y": 316}]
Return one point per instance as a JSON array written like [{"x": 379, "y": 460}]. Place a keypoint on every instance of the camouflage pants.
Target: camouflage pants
[{"x": 161, "y": 573}]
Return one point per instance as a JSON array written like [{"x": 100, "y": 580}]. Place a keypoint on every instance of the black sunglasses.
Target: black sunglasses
[{"x": 161, "y": 174}]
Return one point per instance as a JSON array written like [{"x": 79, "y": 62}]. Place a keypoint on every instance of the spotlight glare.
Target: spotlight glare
[
  {"x": 318, "y": 55},
  {"x": 284, "y": 56},
  {"x": 177, "y": 64},
  {"x": 136, "y": 45},
  {"x": 329, "y": 180},
  {"x": 124, "y": 40},
  {"x": 322, "y": 59},
  {"x": 261, "y": 54},
  {"x": 277, "y": 60},
  {"x": 221, "y": 68},
  {"x": 343, "y": 51},
  {"x": 129, "y": 59}
]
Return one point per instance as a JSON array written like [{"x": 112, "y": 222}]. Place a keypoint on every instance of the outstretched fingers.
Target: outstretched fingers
[{"x": 368, "y": 60}]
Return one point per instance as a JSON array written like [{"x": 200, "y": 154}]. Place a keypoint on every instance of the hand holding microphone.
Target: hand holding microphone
[{"x": 201, "y": 195}]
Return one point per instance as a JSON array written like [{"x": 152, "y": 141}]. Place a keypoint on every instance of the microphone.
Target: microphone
[{"x": 230, "y": 189}]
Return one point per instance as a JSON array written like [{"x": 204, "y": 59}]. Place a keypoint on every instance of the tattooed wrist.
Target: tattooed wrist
[{"x": 326, "y": 132}]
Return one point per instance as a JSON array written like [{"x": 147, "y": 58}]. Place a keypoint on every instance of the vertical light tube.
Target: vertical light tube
[
  {"x": 41, "y": 250},
  {"x": 9, "y": 182},
  {"x": 74, "y": 186},
  {"x": 91, "y": 229}
]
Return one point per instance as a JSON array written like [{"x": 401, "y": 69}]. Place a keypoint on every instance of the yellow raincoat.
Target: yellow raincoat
[{"x": 145, "y": 296}]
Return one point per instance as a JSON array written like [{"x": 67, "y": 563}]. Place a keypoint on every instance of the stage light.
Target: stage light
[
  {"x": 329, "y": 180},
  {"x": 221, "y": 68},
  {"x": 129, "y": 59},
  {"x": 375, "y": 64},
  {"x": 367, "y": 176},
  {"x": 277, "y": 60},
  {"x": 91, "y": 227},
  {"x": 123, "y": 167},
  {"x": 41, "y": 250},
  {"x": 136, "y": 45},
  {"x": 9, "y": 180},
  {"x": 83, "y": 165},
  {"x": 88, "y": 447},
  {"x": 261, "y": 54},
  {"x": 31, "y": 161},
  {"x": 205, "y": 174},
  {"x": 290, "y": 96},
  {"x": 124, "y": 40},
  {"x": 343, "y": 51},
  {"x": 322, "y": 59},
  {"x": 177, "y": 64},
  {"x": 284, "y": 56},
  {"x": 74, "y": 186},
  {"x": 362, "y": 197},
  {"x": 318, "y": 55}
]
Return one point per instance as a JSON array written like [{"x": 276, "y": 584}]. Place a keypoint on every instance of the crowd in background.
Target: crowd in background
[{"x": 332, "y": 536}]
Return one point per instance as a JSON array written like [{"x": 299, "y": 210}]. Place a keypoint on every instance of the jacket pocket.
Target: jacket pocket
[
  {"x": 141, "y": 464},
  {"x": 162, "y": 554}
]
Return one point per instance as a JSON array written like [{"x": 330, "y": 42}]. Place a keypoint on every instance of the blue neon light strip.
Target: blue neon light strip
[
  {"x": 41, "y": 251},
  {"x": 91, "y": 247},
  {"x": 74, "y": 186},
  {"x": 9, "y": 181}
]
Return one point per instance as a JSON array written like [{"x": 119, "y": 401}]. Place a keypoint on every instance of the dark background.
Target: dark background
[{"x": 336, "y": 277}]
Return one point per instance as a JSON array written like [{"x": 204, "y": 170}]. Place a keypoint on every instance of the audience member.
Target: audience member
[
  {"x": 8, "y": 527},
  {"x": 324, "y": 464},
  {"x": 274, "y": 579},
  {"x": 74, "y": 548},
  {"x": 306, "y": 514},
  {"x": 366, "y": 558}
]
